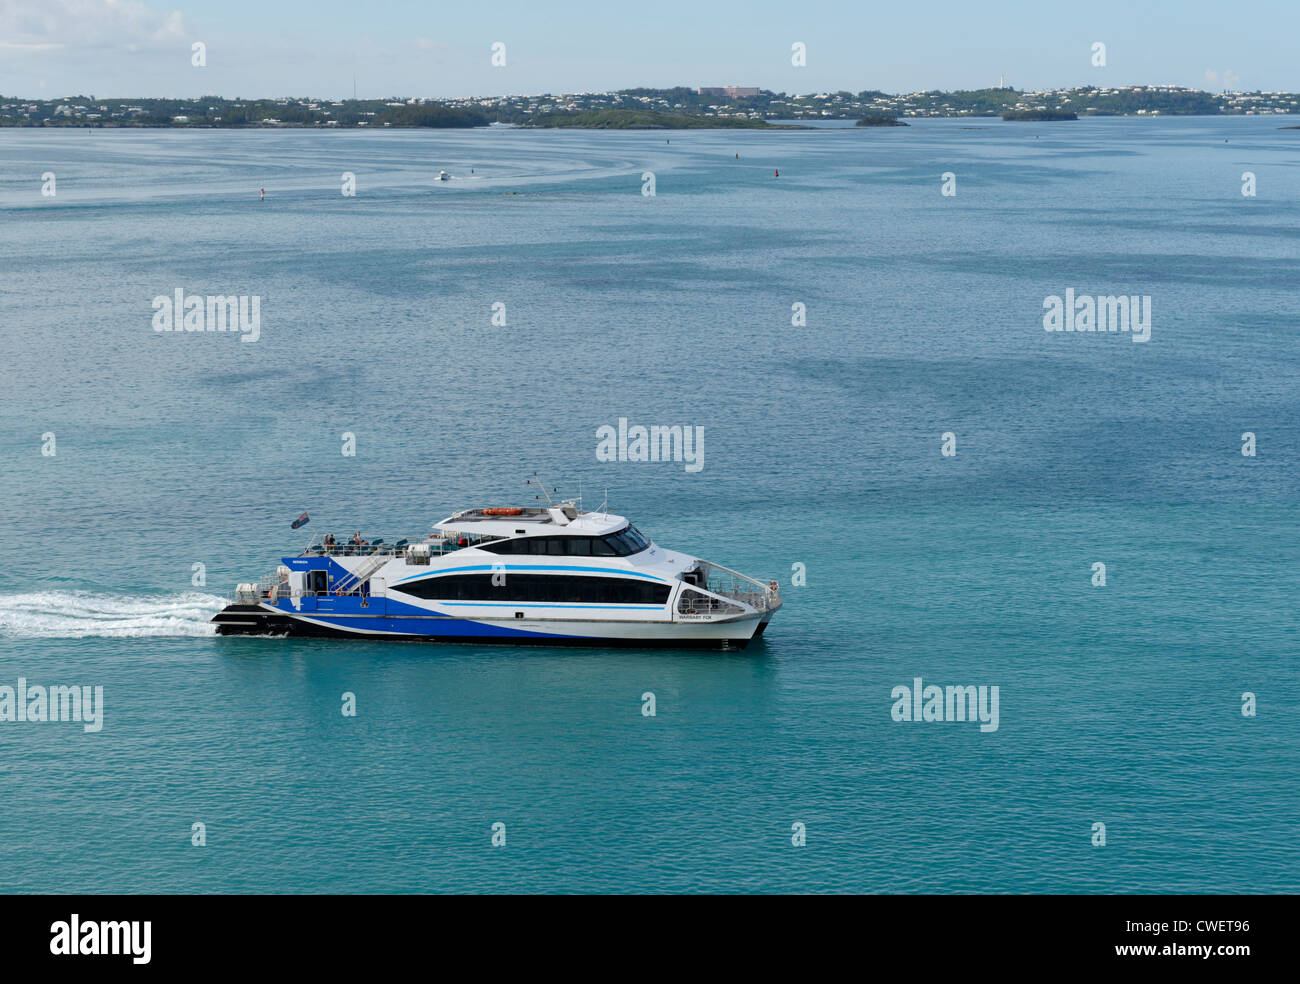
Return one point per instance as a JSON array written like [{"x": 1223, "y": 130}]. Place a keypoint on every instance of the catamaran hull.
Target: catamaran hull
[{"x": 266, "y": 620}]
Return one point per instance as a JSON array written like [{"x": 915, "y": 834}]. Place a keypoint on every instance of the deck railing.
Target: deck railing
[
  {"x": 386, "y": 546},
  {"x": 734, "y": 585},
  {"x": 273, "y": 587},
  {"x": 693, "y": 602},
  {"x": 378, "y": 547},
  {"x": 375, "y": 546}
]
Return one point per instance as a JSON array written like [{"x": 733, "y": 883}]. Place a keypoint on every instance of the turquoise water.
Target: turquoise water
[{"x": 1118, "y": 704}]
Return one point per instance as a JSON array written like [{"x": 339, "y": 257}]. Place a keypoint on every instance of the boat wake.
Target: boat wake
[{"x": 88, "y": 614}]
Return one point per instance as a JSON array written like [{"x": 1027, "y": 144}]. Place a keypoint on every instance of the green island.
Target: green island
[
  {"x": 1040, "y": 115},
  {"x": 435, "y": 116},
  {"x": 879, "y": 119}
]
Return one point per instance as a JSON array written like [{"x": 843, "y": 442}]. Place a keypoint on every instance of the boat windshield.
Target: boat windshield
[{"x": 629, "y": 540}]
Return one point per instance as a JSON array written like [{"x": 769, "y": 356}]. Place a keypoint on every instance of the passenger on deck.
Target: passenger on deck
[
  {"x": 329, "y": 542},
  {"x": 357, "y": 541}
]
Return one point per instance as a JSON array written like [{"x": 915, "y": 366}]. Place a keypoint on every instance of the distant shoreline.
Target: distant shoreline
[
  {"x": 316, "y": 128},
  {"x": 783, "y": 127},
  {"x": 678, "y": 107}
]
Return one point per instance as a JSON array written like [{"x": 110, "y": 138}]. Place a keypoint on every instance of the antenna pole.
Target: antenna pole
[{"x": 549, "y": 501}]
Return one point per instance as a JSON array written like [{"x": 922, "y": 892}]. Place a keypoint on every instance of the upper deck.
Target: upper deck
[
  {"x": 526, "y": 520},
  {"x": 474, "y": 527}
]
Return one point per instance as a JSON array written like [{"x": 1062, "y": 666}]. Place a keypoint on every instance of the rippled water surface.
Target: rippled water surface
[{"x": 1118, "y": 705}]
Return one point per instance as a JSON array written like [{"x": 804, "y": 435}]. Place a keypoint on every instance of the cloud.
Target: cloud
[
  {"x": 31, "y": 46},
  {"x": 51, "y": 25},
  {"x": 1230, "y": 78},
  {"x": 171, "y": 29}
]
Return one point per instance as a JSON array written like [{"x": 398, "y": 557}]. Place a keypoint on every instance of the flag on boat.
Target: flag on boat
[{"x": 300, "y": 521}]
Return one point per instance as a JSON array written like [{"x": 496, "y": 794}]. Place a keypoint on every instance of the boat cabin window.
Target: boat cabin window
[
  {"x": 555, "y": 588},
  {"x": 601, "y": 547},
  {"x": 316, "y": 582},
  {"x": 621, "y": 544}
]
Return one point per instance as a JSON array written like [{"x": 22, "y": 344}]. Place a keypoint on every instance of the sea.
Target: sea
[{"x": 1101, "y": 528}]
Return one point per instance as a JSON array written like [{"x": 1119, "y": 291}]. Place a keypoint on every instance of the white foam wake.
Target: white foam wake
[{"x": 85, "y": 614}]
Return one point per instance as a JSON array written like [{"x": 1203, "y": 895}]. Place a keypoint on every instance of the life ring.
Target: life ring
[{"x": 772, "y": 585}]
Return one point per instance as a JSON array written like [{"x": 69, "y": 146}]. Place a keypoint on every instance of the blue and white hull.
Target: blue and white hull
[{"x": 282, "y": 620}]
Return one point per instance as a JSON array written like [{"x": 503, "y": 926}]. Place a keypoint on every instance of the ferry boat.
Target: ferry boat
[{"x": 544, "y": 574}]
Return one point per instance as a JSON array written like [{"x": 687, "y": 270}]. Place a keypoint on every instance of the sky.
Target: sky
[{"x": 265, "y": 48}]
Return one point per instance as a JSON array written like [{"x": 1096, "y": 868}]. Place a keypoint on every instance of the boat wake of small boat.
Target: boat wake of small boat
[{"x": 59, "y": 614}]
